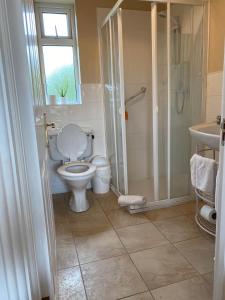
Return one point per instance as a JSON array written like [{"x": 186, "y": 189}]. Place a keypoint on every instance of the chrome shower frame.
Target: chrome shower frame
[{"x": 168, "y": 201}]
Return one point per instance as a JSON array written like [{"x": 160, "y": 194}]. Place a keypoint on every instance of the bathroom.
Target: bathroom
[{"x": 109, "y": 208}]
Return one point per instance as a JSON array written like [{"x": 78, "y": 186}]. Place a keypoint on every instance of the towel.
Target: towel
[
  {"x": 127, "y": 200},
  {"x": 203, "y": 173}
]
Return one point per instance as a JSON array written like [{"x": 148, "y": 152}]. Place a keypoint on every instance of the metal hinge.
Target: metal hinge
[{"x": 222, "y": 127}]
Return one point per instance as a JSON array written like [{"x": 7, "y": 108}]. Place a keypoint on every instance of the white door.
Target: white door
[
  {"x": 219, "y": 270},
  {"x": 39, "y": 110},
  {"x": 31, "y": 212}
]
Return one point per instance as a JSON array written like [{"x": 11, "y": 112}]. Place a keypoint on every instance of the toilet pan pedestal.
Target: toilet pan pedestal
[{"x": 78, "y": 200}]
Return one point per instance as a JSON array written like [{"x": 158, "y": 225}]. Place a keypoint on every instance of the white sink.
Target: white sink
[{"x": 207, "y": 134}]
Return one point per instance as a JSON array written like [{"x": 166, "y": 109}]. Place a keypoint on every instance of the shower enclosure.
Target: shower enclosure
[{"x": 153, "y": 70}]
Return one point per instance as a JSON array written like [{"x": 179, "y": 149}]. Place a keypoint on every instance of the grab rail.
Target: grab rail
[{"x": 142, "y": 91}]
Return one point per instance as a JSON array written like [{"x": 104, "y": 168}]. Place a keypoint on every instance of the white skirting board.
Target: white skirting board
[
  {"x": 158, "y": 204},
  {"x": 161, "y": 204}
]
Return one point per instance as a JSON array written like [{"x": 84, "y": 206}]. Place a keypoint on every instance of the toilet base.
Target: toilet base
[{"x": 78, "y": 201}]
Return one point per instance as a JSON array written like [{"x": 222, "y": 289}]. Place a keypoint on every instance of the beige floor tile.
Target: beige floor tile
[
  {"x": 178, "y": 229},
  {"x": 62, "y": 229},
  {"x": 162, "y": 266},
  {"x": 60, "y": 205},
  {"x": 142, "y": 296},
  {"x": 209, "y": 277},
  {"x": 199, "y": 252},
  {"x": 165, "y": 213},
  {"x": 173, "y": 211},
  {"x": 195, "y": 288},
  {"x": 122, "y": 218},
  {"x": 93, "y": 208},
  {"x": 70, "y": 285},
  {"x": 66, "y": 252},
  {"x": 98, "y": 246},
  {"x": 189, "y": 208},
  {"x": 111, "y": 279},
  {"x": 89, "y": 223},
  {"x": 108, "y": 201},
  {"x": 142, "y": 236}
]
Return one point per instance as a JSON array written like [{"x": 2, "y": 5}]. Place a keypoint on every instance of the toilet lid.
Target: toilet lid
[{"x": 71, "y": 142}]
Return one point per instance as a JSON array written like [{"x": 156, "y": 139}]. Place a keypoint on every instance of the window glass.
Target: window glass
[
  {"x": 55, "y": 24},
  {"x": 59, "y": 73}
]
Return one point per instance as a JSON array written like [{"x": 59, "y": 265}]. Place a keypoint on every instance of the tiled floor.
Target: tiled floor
[{"x": 108, "y": 254}]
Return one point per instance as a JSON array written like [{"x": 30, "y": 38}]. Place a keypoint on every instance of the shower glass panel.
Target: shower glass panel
[
  {"x": 118, "y": 90},
  {"x": 162, "y": 66},
  {"x": 136, "y": 18},
  {"x": 109, "y": 101},
  {"x": 186, "y": 90},
  {"x": 158, "y": 48}
]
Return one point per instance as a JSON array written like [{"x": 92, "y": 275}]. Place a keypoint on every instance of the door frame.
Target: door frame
[
  {"x": 18, "y": 108},
  {"x": 219, "y": 268}
]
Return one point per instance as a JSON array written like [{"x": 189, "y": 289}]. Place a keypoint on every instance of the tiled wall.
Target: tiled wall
[
  {"x": 214, "y": 95},
  {"x": 88, "y": 114}
]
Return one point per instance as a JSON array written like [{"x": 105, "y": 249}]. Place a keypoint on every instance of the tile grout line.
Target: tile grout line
[
  {"x": 129, "y": 259},
  {"x": 105, "y": 213},
  {"x": 75, "y": 248},
  {"x": 173, "y": 245},
  {"x": 81, "y": 273},
  {"x": 187, "y": 258},
  {"x": 198, "y": 274}
]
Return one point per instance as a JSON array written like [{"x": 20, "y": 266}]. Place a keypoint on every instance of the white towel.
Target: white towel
[
  {"x": 127, "y": 200},
  {"x": 203, "y": 173}
]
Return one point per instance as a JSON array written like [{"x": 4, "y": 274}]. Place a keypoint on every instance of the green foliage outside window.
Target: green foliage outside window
[{"x": 62, "y": 84}]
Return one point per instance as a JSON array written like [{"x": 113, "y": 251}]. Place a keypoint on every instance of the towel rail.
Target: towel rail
[
  {"x": 207, "y": 198},
  {"x": 142, "y": 91}
]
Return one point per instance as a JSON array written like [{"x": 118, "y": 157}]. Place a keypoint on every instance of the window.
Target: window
[{"x": 58, "y": 53}]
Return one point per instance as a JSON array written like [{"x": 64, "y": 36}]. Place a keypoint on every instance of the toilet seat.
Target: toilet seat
[
  {"x": 72, "y": 170},
  {"x": 72, "y": 142}
]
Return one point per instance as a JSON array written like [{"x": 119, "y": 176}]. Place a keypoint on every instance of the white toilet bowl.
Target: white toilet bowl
[
  {"x": 72, "y": 144},
  {"x": 77, "y": 175}
]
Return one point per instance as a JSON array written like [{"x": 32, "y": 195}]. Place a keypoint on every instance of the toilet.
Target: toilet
[{"x": 72, "y": 143}]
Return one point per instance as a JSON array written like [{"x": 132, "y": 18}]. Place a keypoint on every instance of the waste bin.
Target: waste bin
[{"x": 101, "y": 180}]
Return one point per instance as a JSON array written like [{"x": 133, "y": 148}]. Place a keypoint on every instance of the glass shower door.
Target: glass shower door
[
  {"x": 163, "y": 101},
  {"x": 119, "y": 100},
  {"x": 112, "y": 53},
  {"x": 186, "y": 31},
  {"x": 109, "y": 101}
]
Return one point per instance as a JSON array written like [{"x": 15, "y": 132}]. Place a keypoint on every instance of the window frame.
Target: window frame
[{"x": 71, "y": 40}]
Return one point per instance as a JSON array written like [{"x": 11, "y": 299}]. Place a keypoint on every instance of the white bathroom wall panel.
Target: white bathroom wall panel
[
  {"x": 88, "y": 114},
  {"x": 214, "y": 95}
]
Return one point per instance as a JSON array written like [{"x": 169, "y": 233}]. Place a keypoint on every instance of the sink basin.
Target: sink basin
[{"x": 207, "y": 134}]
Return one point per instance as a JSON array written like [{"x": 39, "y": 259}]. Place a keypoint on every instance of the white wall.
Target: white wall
[
  {"x": 214, "y": 95},
  {"x": 88, "y": 114}
]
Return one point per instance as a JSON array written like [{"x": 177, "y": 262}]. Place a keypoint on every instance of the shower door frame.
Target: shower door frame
[
  {"x": 117, "y": 12},
  {"x": 157, "y": 203}
]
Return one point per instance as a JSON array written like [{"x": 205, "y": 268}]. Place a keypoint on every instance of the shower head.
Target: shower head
[
  {"x": 175, "y": 20},
  {"x": 162, "y": 14}
]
